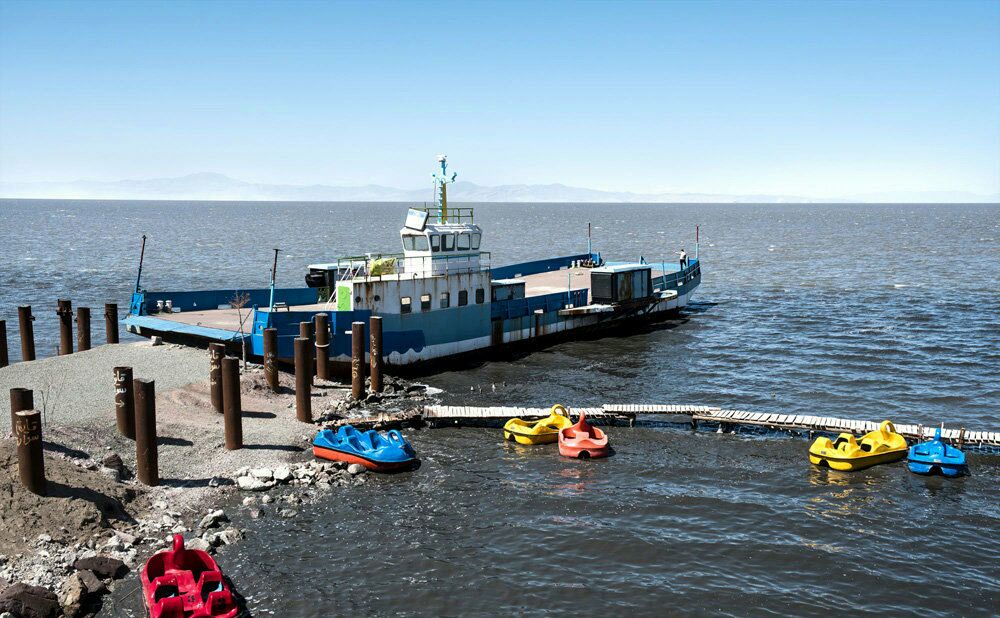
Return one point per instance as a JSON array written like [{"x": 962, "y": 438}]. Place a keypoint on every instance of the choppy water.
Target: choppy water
[{"x": 863, "y": 311}]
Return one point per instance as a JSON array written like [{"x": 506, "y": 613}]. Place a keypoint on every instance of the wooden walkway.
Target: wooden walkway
[{"x": 726, "y": 419}]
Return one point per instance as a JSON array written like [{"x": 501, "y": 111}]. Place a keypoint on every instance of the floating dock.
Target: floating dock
[{"x": 724, "y": 419}]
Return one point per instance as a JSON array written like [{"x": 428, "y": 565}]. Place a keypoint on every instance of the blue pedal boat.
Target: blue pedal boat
[
  {"x": 381, "y": 453},
  {"x": 934, "y": 456}
]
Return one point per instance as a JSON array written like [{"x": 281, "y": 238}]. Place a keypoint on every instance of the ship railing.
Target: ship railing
[
  {"x": 399, "y": 265},
  {"x": 455, "y": 215}
]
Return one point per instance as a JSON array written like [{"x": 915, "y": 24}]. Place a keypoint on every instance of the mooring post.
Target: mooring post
[
  {"x": 271, "y": 358},
  {"x": 375, "y": 352},
  {"x": 358, "y": 360},
  {"x": 30, "y": 462},
  {"x": 303, "y": 381},
  {"x": 82, "y": 329},
  {"x": 233, "y": 418},
  {"x": 21, "y": 399},
  {"x": 146, "y": 459},
  {"x": 25, "y": 319},
  {"x": 215, "y": 353},
  {"x": 322, "y": 346},
  {"x": 4, "y": 358},
  {"x": 65, "y": 312},
  {"x": 124, "y": 402},
  {"x": 961, "y": 438},
  {"x": 305, "y": 331},
  {"x": 111, "y": 322}
]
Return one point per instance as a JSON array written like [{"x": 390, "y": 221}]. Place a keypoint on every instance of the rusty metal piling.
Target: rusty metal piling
[
  {"x": 216, "y": 351},
  {"x": 111, "y": 322},
  {"x": 4, "y": 357},
  {"x": 124, "y": 402},
  {"x": 303, "y": 381},
  {"x": 233, "y": 418},
  {"x": 25, "y": 319},
  {"x": 146, "y": 459},
  {"x": 271, "y": 358},
  {"x": 21, "y": 399},
  {"x": 322, "y": 346},
  {"x": 305, "y": 332},
  {"x": 30, "y": 461},
  {"x": 65, "y": 313},
  {"x": 358, "y": 360},
  {"x": 82, "y": 329},
  {"x": 375, "y": 352}
]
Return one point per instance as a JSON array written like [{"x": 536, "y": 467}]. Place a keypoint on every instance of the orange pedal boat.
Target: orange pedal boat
[{"x": 583, "y": 441}]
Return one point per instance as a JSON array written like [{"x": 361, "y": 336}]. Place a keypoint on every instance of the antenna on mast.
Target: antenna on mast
[{"x": 441, "y": 182}]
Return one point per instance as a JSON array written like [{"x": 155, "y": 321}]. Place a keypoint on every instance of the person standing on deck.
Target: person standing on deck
[{"x": 684, "y": 258}]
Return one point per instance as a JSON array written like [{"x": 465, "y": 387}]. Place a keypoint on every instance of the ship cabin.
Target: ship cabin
[{"x": 441, "y": 267}]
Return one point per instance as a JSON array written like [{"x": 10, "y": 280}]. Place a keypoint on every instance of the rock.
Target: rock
[
  {"x": 263, "y": 474},
  {"x": 92, "y": 582},
  {"x": 288, "y": 513},
  {"x": 213, "y": 519},
  {"x": 415, "y": 388},
  {"x": 73, "y": 591},
  {"x": 104, "y": 567},
  {"x": 256, "y": 513},
  {"x": 373, "y": 398},
  {"x": 241, "y": 472},
  {"x": 44, "y": 538},
  {"x": 128, "y": 540},
  {"x": 355, "y": 469},
  {"x": 266, "y": 499},
  {"x": 282, "y": 474},
  {"x": 29, "y": 601},
  {"x": 249, "y": 483},
  {"x": 156, "y": 340},
  {"x": 215, "y": 481},
  {"x": 224, "y": 537},
  {"x": 198, "y": 543},
  {"x": 249, "y": 500}
]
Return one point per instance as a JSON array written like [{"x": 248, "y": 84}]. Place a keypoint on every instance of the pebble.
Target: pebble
[{"x": 355, "y": 469}]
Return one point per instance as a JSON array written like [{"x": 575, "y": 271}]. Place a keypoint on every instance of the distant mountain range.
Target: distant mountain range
[{"x": 207, "y": 186}]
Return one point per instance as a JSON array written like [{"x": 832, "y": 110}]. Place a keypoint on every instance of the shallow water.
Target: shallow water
[{"x": 865, "y": 311}]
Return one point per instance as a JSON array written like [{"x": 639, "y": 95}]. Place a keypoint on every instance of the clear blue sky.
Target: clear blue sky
[{"x": 804, "y": 98}]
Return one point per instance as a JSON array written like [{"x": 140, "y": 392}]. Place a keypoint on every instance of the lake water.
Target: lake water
[{"x": 858, "y": 311}]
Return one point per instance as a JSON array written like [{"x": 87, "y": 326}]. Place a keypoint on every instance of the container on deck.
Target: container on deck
[{"x": 622, "y": 283}]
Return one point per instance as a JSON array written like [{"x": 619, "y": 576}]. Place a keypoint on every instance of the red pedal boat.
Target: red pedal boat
[
  {"x": 583, "y": 441},
  {"x": 185, "y": 583}
]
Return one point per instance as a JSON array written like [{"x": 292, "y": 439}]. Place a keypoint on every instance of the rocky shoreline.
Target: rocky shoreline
[{"x": 94, "y": 531}]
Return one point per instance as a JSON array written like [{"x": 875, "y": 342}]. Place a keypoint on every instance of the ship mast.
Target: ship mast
[{"x": 441, "y": 181}]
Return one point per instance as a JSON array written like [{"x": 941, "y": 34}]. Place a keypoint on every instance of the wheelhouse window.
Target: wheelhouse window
[
  {"x": 464, "y": 242},
  {"x": 415, "y": 243},
  {"x": 447, "y": 242},
  {"x": 476, "y": 238},
  {"x": 405, "y": 305},
  {"x": 463, "y": 298},
  {"x": 425, "y": 302},
  {"x": 435, "y": 242},
  {"x": 445, "y": 300},
  {"x": 480, "y": 296}
]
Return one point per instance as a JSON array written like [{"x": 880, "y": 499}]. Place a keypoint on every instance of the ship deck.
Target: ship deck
[{"x": 228, "y": 320}]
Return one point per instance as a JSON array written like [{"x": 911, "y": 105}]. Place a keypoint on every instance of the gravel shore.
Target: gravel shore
[{"x": 95, "y": 507}]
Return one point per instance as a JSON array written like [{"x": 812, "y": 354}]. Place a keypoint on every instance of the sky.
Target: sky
[{"x": 815, "y": 99}]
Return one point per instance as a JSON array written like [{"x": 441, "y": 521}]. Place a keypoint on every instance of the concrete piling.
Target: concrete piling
[
  {"x": 82, "y": 329},
  {"x": 233, "y": 418},
  {"x": 21, "y": 399},
  {"x": 111, "y": 322},
  {"x": 124, "y": 402},
  {"x": 30, "y": 461},
  {"x": 216, "y": 351},
  {"x": 65, "y": 313},
  {"x": 303, "y": 381},
  {"x": 271, "y": 357},
  {"x": 25, "y": 319},
  {"x": 358, "y": 360},
  {"x": 4, "y": 357},
  {"x": 322, "y": 346},
  {"x": 146, "y": 458},
  {"x": 375, "y": 352}
]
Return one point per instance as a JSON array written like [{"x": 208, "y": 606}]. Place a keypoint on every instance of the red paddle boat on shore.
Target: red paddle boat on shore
[
  {"x": 583, "y": 441},
  {"x": 185, "y": 583}
]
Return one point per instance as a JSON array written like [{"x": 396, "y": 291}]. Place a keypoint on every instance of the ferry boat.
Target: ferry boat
[{"x": 440, "y": 299}]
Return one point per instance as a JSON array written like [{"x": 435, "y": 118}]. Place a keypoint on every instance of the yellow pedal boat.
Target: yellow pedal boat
[
  {"x": 545, "y": 431},
  {"x": 846, "y": 453}
]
